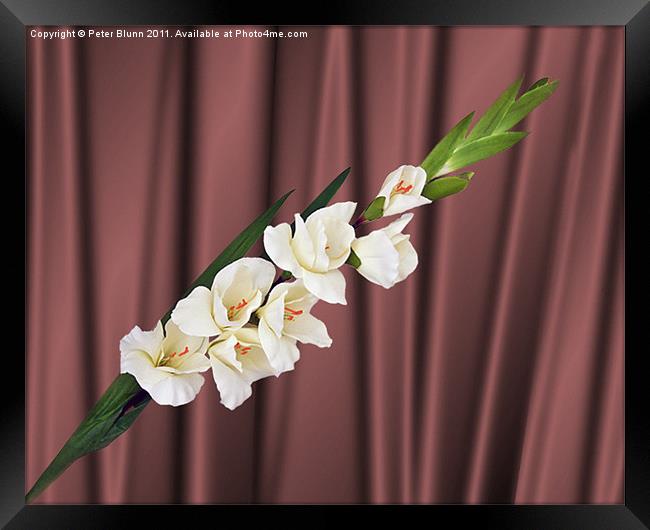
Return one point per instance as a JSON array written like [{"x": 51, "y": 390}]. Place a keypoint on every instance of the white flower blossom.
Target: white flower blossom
[
  {"x": 285, "y": 319},
  {"x": 237, "y": 291},
  {"x": 402, "y": 190},
  {"x": 237, "y": 361},
  {"x": 315, "y": 251},
  {"x": 166, "y": 365},
  {"x": 387, "y": 256}
]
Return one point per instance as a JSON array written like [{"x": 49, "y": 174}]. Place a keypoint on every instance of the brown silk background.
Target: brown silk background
[{"x": 493, "y": 374}]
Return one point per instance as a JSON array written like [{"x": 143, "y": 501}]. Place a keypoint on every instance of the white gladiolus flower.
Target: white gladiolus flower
[
  {"x": 237, "y": 361},
  {"x": 387, "y": 256},
  {"x": 165, "y": 365},
  {"x": 237, "y": 291},
  {"x": 285, "y": 319},
  {"x": 402, "y": 189},
  {"x": 318, "y": 247}
]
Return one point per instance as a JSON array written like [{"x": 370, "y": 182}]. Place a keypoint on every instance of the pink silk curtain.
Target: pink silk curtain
[{"x": 493, "y": 374}]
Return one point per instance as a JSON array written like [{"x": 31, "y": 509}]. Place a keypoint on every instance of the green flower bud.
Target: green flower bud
[{"x": 441, "y": 187}]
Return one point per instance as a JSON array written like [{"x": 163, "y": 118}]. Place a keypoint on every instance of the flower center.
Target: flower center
[
  {"x": 400, "y": 188},
  {"x": 291, "y": 314},
  {"x": 234, "y": 310},
  {"x": 242, "y": 350},
  {"x": 165, "y": 359}
]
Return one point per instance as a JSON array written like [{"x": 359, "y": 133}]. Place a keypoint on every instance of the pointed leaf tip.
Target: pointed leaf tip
[
  {"x": 326, "y": 195},
  {"x": 528, "y": 101},
  {"x": 495, "y": 112},
  {"x": 540, "y": 82}
]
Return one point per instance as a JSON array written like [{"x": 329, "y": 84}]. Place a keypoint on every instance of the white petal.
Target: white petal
[
  {"x": 232, "y": 283},
  {"x": 176, "y": 341},
  {"x": 302, "y": 244},
  {"x": 342, "y": 211},
  {"x": 193, "y": 314},
  {"x": 242, "y": 316},
  {"x": 176, "y": 390},
  {"x": 262, "y": 272},
  {"x": 408, "y": 259},
  {"x": 140, "y": 366},
  {"x": 224, "y": 350},
  {"x": 397, "y": 226},
  {"x": 280, "y": 291},
  {"x": 379, "y": 259},
  {"x": 234, "y": 383},
  {"x": 298, "y": 296},
  {"x": 256, "y": 364},
  {"x": 147, "y": 341},
  {"x": 192, "y": 363},
  {"x": 389, "y": 182},
  {"x": 328, "y": 286},
  {"x": 286, "y": 355},
  {"x": 281, "y": 352},
  {"x": 308, "y": 329},
  {"x": 219, "y": 313},
  {"x": 240, "y": 287},
  {"x": 334, "y": 222},
  {"x": 277, "y": 244},
  {"x": 248, "y": 335},
  {"x": 268, "y": 339},
  {"x": 319, "y": 239},
  {"x": 400, "y": 203},
  {"x": 417, "y": 176},
  {"x": 272, "y": 313},
  {"x": 339, "y": 237},
  {"x": 247, "y": 274},
  {"x": 233, "y": 387}
]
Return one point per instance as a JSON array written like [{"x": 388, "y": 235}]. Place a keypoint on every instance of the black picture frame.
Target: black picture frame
[{"x": 15, "y": 15}]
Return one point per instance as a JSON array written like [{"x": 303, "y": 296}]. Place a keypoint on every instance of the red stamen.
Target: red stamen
[
  {"x": 291, "y": 314},
  {"x": 241, "y": 350},
  {"x": 242, "y": 303},
  {"x": 186, "y": 350},
  {"x": 232, "y": 310},
  {"x": 402, "y": 189}
]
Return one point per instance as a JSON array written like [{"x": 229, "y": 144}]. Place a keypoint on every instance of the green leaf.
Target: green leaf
[
  {"x": 444, "y": 186},
  {"x": 485, "y": 147},
  {"x": 105, "y": 421},
  {"x": 353, "y": 260},
  {"x": 326, "y": 195},
  {"x": 525, "y": 104},
  {"x": 445, "y": 147},
  {"x": 130, "y": 412},
  {"x": 495, "y": 113},
  {"x": 237, "y": 249},
  {"x": 375, "y": 209}
]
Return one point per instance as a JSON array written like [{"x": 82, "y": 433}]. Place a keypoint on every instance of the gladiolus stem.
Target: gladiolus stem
[{"x": 360, "y": 220}]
